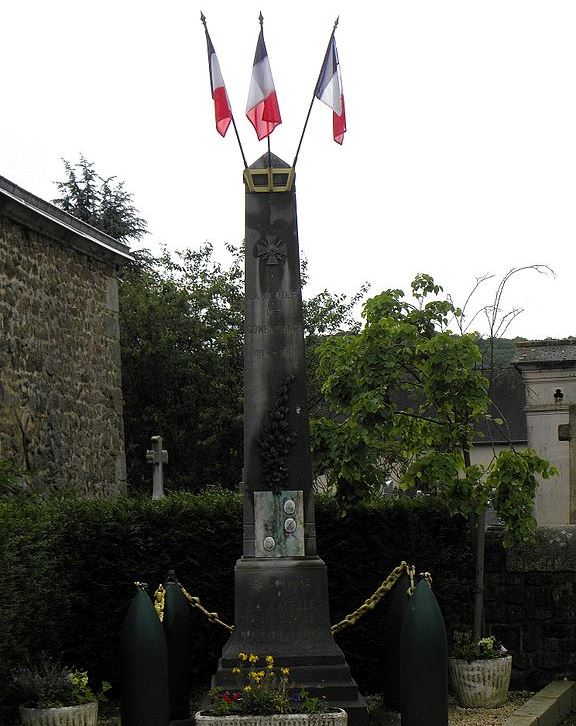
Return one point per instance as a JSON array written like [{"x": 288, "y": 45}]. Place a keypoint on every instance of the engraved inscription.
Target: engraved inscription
[
  {"x": 283, "y": 353},
  {"x": 273, "y": 329},
  {"x": 279, "y": 295}
]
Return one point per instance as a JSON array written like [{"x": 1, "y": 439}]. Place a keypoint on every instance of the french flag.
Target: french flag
[
  {"x": 329, "y": 90},
  {"x": 222, "y": 109},
  {"x": 262, "y": 107}
]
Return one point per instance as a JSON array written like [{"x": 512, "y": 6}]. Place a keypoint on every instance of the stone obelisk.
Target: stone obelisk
[{"x": 281, "y": 589}]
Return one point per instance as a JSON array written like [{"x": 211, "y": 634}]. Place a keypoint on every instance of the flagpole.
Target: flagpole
[
  {"x": 203, "y": 20},
  {"x": 239, "y": 142},
  {"x": 261, "y": 19},
  {"x": 313, "y": 99}
]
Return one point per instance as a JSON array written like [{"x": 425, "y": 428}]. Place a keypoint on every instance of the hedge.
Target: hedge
[{"x": 67, "y": 569}]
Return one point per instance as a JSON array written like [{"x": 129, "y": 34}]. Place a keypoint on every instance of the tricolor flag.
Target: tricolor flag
[
  {"x": 262, "y": 107},
  {"x": 329, "y": 90},
  {"x": 221, "y": 104}
]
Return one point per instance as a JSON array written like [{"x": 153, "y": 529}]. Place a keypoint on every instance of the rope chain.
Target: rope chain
[
  {"x": 371, "y": 602},
  {"x": 350, "y": 619},
  {"x": 212, "y": 617}
]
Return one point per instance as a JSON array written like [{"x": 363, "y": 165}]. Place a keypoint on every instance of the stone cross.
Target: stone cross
[
  {"x": 567, "y": 432},
  {"x": 158, "y": 457}
]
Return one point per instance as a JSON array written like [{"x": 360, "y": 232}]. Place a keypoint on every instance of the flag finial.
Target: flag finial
[
  {"x": 261, "y": 19},
  {"x": 336, "y": 22},
  {"x": 203, "y": 19}
]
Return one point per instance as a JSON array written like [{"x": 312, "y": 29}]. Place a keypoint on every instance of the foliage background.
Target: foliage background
[{"x": 67, "y": 569}]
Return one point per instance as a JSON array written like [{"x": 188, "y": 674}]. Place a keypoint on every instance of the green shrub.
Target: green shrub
[
  {"x": 49, "y": 684},
  {"x": 67, "y": 568}
]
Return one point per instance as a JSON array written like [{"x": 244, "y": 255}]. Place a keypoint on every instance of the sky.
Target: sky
[{"x": 459, "y": 160}]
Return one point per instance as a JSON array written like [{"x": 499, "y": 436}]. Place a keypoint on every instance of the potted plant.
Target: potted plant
[
  {"x": 263, "y": 697},
  {"x": 479, "y": 671},
  {"x": 54, "y": 695}
]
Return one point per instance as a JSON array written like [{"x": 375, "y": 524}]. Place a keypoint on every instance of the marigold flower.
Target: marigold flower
[
  {"x": 270, "y": 667},
  {"x": 242, "y": 656},
  {"x": 285, "y": 671},
  {"x": 253, "y": 658},
  {"x": 270, "y": 660}
]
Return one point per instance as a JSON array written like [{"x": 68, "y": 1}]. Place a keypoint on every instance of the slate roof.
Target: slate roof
[
  {"x": 31, "y": 211},
  {"x": 545, "y": 353}
]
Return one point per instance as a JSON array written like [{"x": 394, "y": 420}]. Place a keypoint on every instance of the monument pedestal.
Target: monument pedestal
[
  {"x": 281, "y": 587},
  {"x": 282, "y": 610}
]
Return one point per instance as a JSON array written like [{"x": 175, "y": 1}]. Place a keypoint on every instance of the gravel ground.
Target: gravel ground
[{"x": 457, "y": 716}]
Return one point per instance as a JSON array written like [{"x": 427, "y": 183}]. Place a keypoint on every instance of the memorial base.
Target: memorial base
[{"x": 281, "y": 609}]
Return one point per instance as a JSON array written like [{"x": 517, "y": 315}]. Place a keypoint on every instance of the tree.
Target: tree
[
  {"x": 101, "y": 202},
  {"x": 406, "y": 393},
  {"x": 181, "y": 323},
  {"x": 182, "y": 362}
]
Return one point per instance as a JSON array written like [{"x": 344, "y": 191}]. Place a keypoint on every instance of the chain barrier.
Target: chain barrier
[
  {"x": 350, "y": 619},
  {"x": 212, "y": 617},
  {"x": 371, "y": 602}
]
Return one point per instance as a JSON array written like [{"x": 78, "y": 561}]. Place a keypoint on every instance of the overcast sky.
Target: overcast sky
[{"x": 459, "y": 160}]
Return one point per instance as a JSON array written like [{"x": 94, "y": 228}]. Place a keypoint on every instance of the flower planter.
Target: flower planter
[
  {"x": 480, "y": 683},
  {"x": 338, "y": 717},
  {"x": 86, "y": 714}
]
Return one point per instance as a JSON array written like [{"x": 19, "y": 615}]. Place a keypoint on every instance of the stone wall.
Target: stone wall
[
  {"x": 60, "y": 384},
  {"x": 530, "y": 603}
]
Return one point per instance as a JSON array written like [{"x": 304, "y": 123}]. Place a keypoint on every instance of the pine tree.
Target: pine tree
[{"x": 101, "y": 202}]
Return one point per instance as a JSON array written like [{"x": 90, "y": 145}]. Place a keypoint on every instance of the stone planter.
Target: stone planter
[
  {"x": 338, "y": 717},
  {"x": 86, "y": 714},
  {"x": 480, "y": 683}
]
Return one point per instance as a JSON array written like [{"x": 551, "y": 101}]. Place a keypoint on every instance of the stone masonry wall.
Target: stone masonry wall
[
  {"x": 530, "y": 603},
  {"x": 60, "y": 384}
]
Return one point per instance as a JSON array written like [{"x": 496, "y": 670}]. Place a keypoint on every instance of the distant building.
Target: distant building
[
  {"x": 60, "y": 380},
  {"x": 532, "y": 397},
  {"x": 548, "y": 369}
]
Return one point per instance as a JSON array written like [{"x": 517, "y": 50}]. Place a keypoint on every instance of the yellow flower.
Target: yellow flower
[
  {"x": 242, "y": 656},
  {"x": 235, "y": 670},
  {"x": 253, "y": 658},
  {"x": 247, "y": 688},
  {"x": 270, "y": 666},
  {"x": 253, "y": 674},
  {"x": 270, "y": 660},
  {"x": 285, "y": 671},
  {"x": 260, "y": 674}
]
